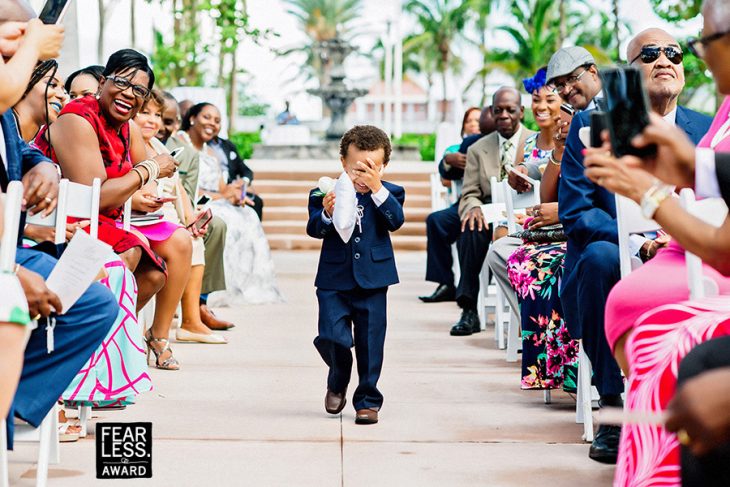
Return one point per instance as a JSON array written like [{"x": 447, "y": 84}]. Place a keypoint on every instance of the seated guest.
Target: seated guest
[
  {"x": 181, "y": 213},
  {"x": 84, "y": 82},
  {"x": 100, "y": 142},
  {"x": 117, "y": 371},
  {"x": 443, "y": 226},
  {"x": 659, "y": 339},
  {"x": 250, "y": 277},
  {"x": 534, "y": 269},
  {"x": 215, "y": 237},
  {"x": 489, "y": 157},
  {"x": 588, "y": 214},
  {"x": 228, "y": 156},
  {"x": 573, "y": 74}
]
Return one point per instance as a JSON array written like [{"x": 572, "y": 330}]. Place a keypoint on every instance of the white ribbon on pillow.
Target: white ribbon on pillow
[{"x": 345, "y": 214}]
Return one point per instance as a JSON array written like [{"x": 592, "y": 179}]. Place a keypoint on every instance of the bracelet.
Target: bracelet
[
  {"x": 153, "y": 169},
  {"x": 141, "y": 176},
  {"x": 555, "y": 161}
]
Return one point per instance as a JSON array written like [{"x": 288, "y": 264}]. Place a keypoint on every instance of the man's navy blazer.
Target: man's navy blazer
[
  {"x": 367, "y": 260},
  {"x": 588, "y": 211},
  {"x": 20, "y": 157}
]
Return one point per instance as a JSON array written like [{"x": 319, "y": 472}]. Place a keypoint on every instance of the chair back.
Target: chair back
[
  {"x": 446, "y": 134},
  {"x": 494, "y": 211},
  {"x": 515, "y": 201},
  {"x": 12, "y": 203},
  {"x": 630, "y": 220},
  {"x": 76, "y": 201},
  {"x": 127, "y": 215},
  {"x": 712, "y": 211}
]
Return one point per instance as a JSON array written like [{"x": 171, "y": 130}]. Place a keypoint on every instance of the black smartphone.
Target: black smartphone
[
  {"x": 599, "y": 123},
  {"x": 568, "y": 108},
  {"x": 203, "y": 200},
  {"x": 53, "y": 11},
  {"x": 628, "y": 109}
]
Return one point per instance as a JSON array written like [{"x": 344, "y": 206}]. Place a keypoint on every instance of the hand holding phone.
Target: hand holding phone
[
  {"x": 200, "y": 222},
  {"x": 176, "y": 152},
  {"x": 165, "y": 198},
  {"x": 54, "y": 11}
]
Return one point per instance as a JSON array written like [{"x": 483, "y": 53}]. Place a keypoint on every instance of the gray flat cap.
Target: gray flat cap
[{"x": 566, "y": 60}]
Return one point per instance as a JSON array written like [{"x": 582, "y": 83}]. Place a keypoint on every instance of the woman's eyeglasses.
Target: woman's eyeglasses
[
  {"x": 124, "y": 84},
  {"x": 649, "y": 54},
  {"x": 698, "y": 46}
]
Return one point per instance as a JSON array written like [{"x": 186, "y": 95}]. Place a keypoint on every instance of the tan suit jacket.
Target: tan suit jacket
[{"x": 482, "y": 162}]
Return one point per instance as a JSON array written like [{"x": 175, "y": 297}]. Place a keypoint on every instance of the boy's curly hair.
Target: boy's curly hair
[{"x": 368, "y": 138}]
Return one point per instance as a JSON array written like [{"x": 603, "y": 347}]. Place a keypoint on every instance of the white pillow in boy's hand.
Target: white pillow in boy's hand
[
  {"x": 325, "y": 184},
  {"x": 345, "y": 214}
]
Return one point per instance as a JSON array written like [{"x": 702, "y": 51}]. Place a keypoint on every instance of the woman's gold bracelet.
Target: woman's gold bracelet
[{"x": 555, "y": 161}]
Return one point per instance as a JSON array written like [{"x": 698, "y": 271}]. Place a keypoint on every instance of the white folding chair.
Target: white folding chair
[
  {"x": 712, "y": 211},
  {"x": 490, "y": 296},
  {"x": 514, "y": 202},
  {"x": 146, "y": 315},
  {"x": 74, "y": 201},
  {"x": 46, "y": 435}
]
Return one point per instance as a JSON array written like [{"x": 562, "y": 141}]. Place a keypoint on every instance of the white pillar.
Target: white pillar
[
  {"x": 388, "y": 45},
  {"x": 398, "y": 67}
]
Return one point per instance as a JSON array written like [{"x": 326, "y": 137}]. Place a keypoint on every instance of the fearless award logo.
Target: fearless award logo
[{"x": 123, "y": 450}]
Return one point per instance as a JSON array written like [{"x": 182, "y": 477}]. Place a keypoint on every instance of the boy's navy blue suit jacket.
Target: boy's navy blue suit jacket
[{"x": 367, "y": 259}]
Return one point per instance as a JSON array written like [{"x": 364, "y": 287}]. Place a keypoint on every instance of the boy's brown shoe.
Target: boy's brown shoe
[
  {"x": 366, "y": 416},
  {"x": 334, "y": 402}
]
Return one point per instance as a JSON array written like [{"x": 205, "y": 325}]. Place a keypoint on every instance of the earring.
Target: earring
[{"x": 192, "y": 123}]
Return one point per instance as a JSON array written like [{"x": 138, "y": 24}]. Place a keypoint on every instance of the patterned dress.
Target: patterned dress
[{"x": 549, "y": 355}]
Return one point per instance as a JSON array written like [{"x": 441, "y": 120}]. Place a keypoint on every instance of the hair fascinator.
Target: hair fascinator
[{"x": 536, "y": 82}]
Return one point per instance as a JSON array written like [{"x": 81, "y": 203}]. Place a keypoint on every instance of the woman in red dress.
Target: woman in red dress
[{"x": 100, "y": 142}]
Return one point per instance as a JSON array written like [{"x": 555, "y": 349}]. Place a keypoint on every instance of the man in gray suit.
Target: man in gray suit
[{"x": 490, "y": 156}]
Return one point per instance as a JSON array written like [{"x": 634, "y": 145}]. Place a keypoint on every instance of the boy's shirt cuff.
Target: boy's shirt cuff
[
  {"x": 327, "y": 220},
  {"x": 381, "y": 196}
]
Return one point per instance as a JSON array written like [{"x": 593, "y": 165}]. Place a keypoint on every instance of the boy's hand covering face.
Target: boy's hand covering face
[{"x": 365, "y": 168}]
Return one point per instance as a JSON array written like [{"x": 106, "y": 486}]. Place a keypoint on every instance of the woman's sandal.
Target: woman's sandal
[
  {"x": 170, "y": 363},
  {"x": 68, "y": 432}
]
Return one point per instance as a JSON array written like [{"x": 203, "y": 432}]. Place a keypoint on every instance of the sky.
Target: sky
[{"x": 270, "y": 79}]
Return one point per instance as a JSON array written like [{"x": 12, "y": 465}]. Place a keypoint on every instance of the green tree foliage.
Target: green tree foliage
[{"x": 676, "y": 10}]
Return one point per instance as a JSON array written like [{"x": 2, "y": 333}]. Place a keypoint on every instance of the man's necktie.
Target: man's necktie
[{"x": 505, "y": 159}]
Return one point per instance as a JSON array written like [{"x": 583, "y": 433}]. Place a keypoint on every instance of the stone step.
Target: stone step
[
  {"x": 300, "y": 213},
  {"x": 415, "y": 229},
  {"x": 265, "y": 187},
  {"x": 311, "y": 177},
  {"x": 299, "y": 242},
  {"x": 294, "y": 199}
]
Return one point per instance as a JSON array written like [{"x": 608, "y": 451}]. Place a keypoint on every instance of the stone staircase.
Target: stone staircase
[{"x": 285, "y": 186}]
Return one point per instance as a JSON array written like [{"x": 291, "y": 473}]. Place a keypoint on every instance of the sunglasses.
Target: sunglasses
[
  {"x": 649, "y": 54},
  {"x": 697, "y": 46},
  {"x": 124, "y": 84}
]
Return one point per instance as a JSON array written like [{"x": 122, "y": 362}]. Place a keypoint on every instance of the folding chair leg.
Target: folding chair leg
[
  {"x": 45, "y": 446},
  {"x": 584, "y": 409},
  {"x": 84, "y": 417},
  {"x": 513, "y": 339},
  {"x": 547, "y": 397},
  {"x": 4, "y": 482}
]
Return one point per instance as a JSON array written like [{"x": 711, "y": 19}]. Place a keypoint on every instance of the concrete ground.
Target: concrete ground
[{"x": 251, "y": 413}]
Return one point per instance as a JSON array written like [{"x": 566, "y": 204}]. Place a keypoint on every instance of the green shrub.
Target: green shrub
[
  {"x": 244, "y": 142},
  {"x": 426, "y": 144}
]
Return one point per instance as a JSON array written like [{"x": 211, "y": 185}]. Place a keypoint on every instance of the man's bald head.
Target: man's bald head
[
  {"x": 652, "y": 36},
  {"x": 506, "y": 91},
  {"x": 507, "y": 110},
  {"x": 16, "y": 10}
]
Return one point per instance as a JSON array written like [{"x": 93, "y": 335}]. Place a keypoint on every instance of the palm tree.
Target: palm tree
[
  {"x": 482, "y": 9},
  {"x": 442, "y": 22},
  {"x": 321, "y": 20}
]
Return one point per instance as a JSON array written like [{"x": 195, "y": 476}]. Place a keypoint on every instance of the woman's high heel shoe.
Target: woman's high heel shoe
[{"x": 168, "y": 364}]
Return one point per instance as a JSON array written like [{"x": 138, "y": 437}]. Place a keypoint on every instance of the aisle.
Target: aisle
[{"x": 251, "y": 413}]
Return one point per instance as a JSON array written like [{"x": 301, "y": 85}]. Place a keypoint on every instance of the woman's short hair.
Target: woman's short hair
[
  {"x": 466, "y": 117},
  {"x": 155, "y": 97},
  {"x": 193, "y": 112},
  {"x": 129, "y": 59},
  {"x": 96, "y": 71}
]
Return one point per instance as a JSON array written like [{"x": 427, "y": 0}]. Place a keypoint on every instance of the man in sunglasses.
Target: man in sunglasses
[
  {"x": 573, "y": 75},
  {"x": 588, "y": 214}
]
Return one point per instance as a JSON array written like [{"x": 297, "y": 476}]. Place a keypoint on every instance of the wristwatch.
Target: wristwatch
[{"x": 654, "y": 197}]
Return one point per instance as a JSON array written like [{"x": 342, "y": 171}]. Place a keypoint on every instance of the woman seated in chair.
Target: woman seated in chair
[
  {"x": 250, "y": 277},
  {"x": 549, "y": 355},
  {"x": 117, "y": 371},
  {"x": 180, "y": 212},
  {"x": 84, "y": 82},
  {"x": 100, "y": 141}
]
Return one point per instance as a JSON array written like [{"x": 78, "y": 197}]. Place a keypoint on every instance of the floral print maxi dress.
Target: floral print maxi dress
[{"x": 549, "y": 354}]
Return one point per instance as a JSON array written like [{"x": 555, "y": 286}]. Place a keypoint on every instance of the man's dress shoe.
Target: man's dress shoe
[
  {"x": 210, "y": 320},
  {"x": 605, "y": 446},
  {"x": 444, "y": 292},
  {"x": 366, "y": 416},
  {"x": 334, "y": 402},
  {"x": 467, "y": 324}
]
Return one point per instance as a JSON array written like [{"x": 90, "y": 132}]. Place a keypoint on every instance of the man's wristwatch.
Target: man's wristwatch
[{"x": 654, "y": 197}]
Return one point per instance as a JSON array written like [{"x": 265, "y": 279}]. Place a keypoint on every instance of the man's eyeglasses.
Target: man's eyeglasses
[
  {"x": 124, "y": 84},
  {"x": 560, "y": 86},
  {"x": 649, "y": 54},
  {"x": 698, "y": 46}
]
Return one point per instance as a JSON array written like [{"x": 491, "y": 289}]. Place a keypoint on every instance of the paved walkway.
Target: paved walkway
[{"x": 251, "y": 413}]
